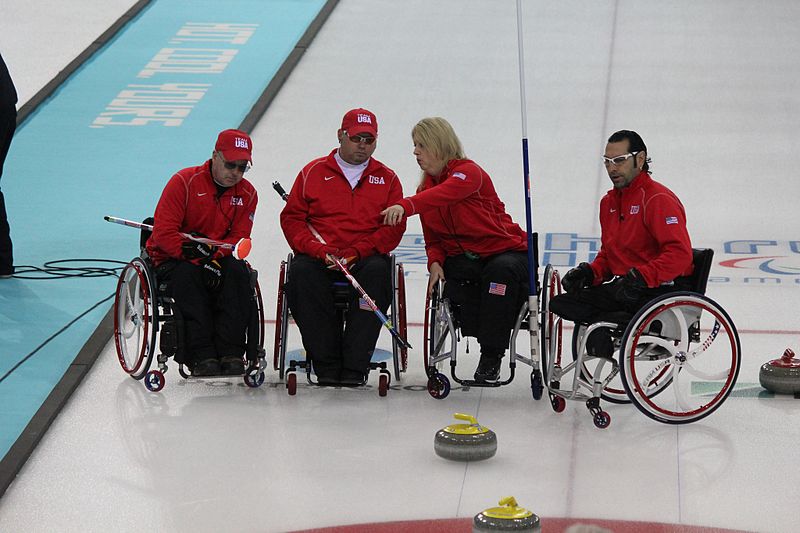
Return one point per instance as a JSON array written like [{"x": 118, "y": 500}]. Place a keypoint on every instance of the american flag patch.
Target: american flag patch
[
  {"x": 672, "y": 220},
  {"x": 459, "y": 175},
  {"x": 362, "y": 304},
  {"x": 497, "y": 288}
]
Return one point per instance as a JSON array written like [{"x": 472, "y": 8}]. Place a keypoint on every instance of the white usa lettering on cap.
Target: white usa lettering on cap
[
  {"x": 364, "y": 118},
  {"x": 240, "y": 142}
]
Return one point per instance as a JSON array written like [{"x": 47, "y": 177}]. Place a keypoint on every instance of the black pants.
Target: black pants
[
  {"x": 215, "y": 322},
  {"x": 488, "y": 292},
  {"x": 591, "y": 304},
  {"x": 8, "y": 124},
  {"x": 336, "y": 352}
]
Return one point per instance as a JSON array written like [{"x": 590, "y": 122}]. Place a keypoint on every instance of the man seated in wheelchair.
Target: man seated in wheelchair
[
  {"x": 212, "y": 289},
  {"x": 645, "y": 247},
  {"x": 470, "y": 241},
  {"x": 332, "y": 211}
]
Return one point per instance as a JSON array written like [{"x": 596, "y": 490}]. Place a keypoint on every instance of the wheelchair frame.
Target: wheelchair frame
[
  {"x": 397, "y": 316},
  {"x": 146, "y": 318}
]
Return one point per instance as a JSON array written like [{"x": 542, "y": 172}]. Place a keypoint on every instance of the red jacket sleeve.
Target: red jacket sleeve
[{"x": 170, "y": 213}]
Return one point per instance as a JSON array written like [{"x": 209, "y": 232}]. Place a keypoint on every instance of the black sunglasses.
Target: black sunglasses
[{"x": 230, "y": 165}]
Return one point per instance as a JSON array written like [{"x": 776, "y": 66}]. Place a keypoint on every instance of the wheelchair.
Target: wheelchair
[
  {"x": 342, "y": 296},
  {"x": 146, "y": 319},
  {"x": 445, "y": 324},
  {"x": 678, "y": 357}
]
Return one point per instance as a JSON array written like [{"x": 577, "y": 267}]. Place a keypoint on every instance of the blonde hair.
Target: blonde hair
[{"x": 437, "y": 136}]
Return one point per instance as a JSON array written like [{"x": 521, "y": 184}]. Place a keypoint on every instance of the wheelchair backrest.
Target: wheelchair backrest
[
  {"x": 702, "y": 259},
  {"x": 145, "y": 234}
]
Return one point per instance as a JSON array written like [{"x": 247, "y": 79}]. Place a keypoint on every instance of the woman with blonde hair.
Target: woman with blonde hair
[{"x": 470, "y": 240}]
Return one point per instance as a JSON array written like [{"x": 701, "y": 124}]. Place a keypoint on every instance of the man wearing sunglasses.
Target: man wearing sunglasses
[
  {"x": 333, "y": 211},
  {"x": 645, "y": 248},
  {"x": 211, "y": 288}
]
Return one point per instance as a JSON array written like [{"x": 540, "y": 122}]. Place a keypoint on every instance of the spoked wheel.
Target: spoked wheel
[
  {"x": 614, "y": 392},
  {"x": 134, "y": 319},
  {"x": 689, "y": 341},
  {"x": 154, "y": 380},
  {"x": 438, "y": 386},
  {"x": 383, "y": 384},
  {"x": 437, "y": 327},
  {"x": 254, "y": 381},
  {"x": 602, "y": 420}
]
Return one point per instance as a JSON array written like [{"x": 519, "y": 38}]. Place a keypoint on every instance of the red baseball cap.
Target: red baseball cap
[
  {"x": 357, "y": 121},
  {"x": 235, "y": 145}
]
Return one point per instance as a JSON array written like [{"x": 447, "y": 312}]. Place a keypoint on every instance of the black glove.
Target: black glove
[
  {"x": 196, "y": 250},
  {"x": 212, "y": 274},
  {"x": 577, "y": 278},
  {"x": 630, "y": 288}
]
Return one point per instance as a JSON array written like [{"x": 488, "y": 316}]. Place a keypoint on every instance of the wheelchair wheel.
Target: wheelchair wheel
[
  {"x": 383, "y": 384},
  {"x": 688, "y": 340},
  {"x": 254, "y": 381},
  {"x": 291, "y": 383},
  {"x": 437, "y": 324},
  {"x": 402, "y": 321},
  {"x": 135, "y": 318},
  {"x": 154, "y": 380},
  {"x": 438, "y": 386},
  {"x": 614, "y": 392},
  {"x": 551, "y": 329}
]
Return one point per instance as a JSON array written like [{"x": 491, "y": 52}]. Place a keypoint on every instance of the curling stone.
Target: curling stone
[
  {"x": 507, "y": 517},
  {"x": 782, "y": 375},
  {"x": 465, "y": 442}
]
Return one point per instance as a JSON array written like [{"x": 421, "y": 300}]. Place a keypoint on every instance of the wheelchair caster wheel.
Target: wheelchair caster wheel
[
  {"x": 254, "y": 381},
  {"x": 438, "y": 386},
  {"x": 383, "y": 385},
  {"x": 291, "y": 383},
  {"x": 154, "y": 380},
  {"x": 558, "y": 403},
  {"x": 182, "y": 370},
  {"x": 602, "y": 420},
  {"x": 537, "y": 386}
]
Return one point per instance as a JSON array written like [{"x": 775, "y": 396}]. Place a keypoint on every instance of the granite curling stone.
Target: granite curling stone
[
  {"x": 508, "y": 517},
  {"x": 465, "y": 442},
  {"x": 782, "y": 375}
]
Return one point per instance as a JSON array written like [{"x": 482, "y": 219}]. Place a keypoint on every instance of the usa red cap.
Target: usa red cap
[
  {"x": 357, "y": 121},
  {"x": 235, "y": 145}
]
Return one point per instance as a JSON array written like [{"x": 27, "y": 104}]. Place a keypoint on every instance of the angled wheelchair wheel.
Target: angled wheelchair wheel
[
  {"x": 688, "y": 342},
  {"x": 438, "y": 326},
  {"x": 551, "y": 329},
  {"x": 135, "y": 319},
  {"x": 614, "y": 392},
  {"x": 402, "y": 320},
  {"x": 281, "y": 320}
]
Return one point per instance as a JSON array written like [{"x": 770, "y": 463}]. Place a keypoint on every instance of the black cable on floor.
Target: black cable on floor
[
  {"x": 57, "y": 270},
  {"x": 54, "y": 335}
]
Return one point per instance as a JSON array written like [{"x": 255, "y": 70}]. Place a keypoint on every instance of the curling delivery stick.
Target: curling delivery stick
[
  {"x": 341, "y": 266},
  {"x": 240, "y": 250}
]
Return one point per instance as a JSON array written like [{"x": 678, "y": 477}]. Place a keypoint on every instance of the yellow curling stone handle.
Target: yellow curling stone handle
[
  {"x": 473, "y": 428},
  {"x": 509, "y": 510}
]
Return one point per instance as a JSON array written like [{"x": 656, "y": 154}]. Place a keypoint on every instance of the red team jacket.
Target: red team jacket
[
  {"x": 189, "y": 204},
  {"x": 643, "y": 226},
  {"x": 460, "y": 211},
  {"x": 343, "y": 216}
]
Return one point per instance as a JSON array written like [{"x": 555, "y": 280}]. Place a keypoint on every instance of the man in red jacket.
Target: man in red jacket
[
  {"x": 211, "y": 288},
  {"x": 340, "y": 196},
  {"x": 645, "y": 248}
]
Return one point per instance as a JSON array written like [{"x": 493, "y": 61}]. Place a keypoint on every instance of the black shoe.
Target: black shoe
[
  {"x": 600, "y": 344},
  {"x": 352, "y": 378},
  {"x": 232, "y": 366},
  {"x": 206, "y": 367},
  {"x": 6, "y": 272},
  {"x": 488, "y": 368}
]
